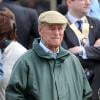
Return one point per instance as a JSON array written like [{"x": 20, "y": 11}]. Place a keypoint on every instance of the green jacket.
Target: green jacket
[{"x": 39, "y": 76}]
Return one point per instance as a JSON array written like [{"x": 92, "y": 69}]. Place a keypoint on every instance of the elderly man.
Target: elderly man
[{"x": 47, "y": 71}]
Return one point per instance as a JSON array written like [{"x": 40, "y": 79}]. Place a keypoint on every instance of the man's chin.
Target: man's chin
[{"x": 56, "y": 45}]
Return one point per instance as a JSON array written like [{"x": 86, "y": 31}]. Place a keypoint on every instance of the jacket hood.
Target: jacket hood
[{"x": 40, "y": 52}]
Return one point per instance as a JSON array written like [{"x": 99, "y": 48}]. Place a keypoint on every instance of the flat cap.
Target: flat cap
[{"x": 52, "y": 17}]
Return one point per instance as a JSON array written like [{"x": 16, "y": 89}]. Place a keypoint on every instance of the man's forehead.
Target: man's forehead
[
  {"x": 53, "y": 25},
  {"x": 52, "y": 17}
]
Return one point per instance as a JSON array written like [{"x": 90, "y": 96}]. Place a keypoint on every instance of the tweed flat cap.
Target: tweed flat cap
[{"x": 52, "y": 17}]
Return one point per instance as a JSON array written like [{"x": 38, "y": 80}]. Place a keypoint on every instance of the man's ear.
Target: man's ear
[
  {"x": 68, "y": 2},
  {"x": 39, "y": 29}
]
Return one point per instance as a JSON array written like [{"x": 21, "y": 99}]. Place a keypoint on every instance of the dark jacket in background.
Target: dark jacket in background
[{"x": 62, "y": 9}]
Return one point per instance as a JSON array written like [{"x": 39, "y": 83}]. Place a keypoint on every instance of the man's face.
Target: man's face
[
  {"x": 52, "y": 35},
  {"x": 79, "y": 7}
]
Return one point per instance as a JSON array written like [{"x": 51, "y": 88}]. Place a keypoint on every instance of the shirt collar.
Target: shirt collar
[
  {"x": 73, "y": 19},
  {"x": 46, "y": 49}
]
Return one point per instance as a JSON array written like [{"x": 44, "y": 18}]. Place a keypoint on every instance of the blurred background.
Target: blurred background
[{"x": 41, "y": 5}]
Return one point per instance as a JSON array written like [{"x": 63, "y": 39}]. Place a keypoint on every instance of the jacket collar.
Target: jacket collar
[{"x": 41, "y": 52}]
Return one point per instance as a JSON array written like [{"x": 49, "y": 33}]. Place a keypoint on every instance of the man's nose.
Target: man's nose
[{"x": 88, "y": 2}]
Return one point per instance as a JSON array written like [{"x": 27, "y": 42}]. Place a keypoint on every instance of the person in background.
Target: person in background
[
  {"x": 1, "y": 66},
  {"x": 28, "y": 3},
  {"x": 39, "y": 5},
  {"x": 26, "y": 22},
  {"x": 48, "y": 71},
  {"x": 94, "y": 10},
  {"x": 82, "y": 38},
  {"x": 11, "y": 49},
  {"x": 62, "y": 8}
]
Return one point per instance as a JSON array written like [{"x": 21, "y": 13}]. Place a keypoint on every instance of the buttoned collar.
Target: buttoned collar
[{"x": 46, "y": 49}]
